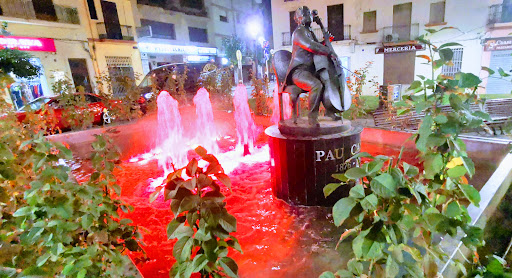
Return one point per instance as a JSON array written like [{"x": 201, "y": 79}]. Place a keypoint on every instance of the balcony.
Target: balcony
[
  {"x": 124, "y": 33},
  {"x": 287, "y": 38},
  {"x": 147, "y": 32},
  {"x": 25, "y": 9},
  {"x": 501, "y": 13},
  {"x": 189, "y": 7},
  {"x": 67, "y": 14},
  {"x": 401, "y": 33}
]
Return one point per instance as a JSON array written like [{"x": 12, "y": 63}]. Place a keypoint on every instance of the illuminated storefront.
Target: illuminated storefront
[
  {"x": 24, "y": 90},
  {"x": 158, "y": 54}
]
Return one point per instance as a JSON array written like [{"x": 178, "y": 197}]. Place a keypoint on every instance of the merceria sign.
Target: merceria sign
[
  {"x": 27, "y": 44},
  {"x": 399, "y": 48}
]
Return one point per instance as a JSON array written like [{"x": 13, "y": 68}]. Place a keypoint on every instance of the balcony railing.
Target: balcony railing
[
  {"x": 25, "y": 9},
  {"x": 400, "y": 33},
  {"x": 147, "y": 32},
  {"x": 500, "y": 13},
  {"x": 125, "y": 34},
  {"x": 287, "y": 37}
]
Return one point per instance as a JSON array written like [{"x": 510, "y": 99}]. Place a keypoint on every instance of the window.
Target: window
[
  {"x": 238, "y": 16},
  {"x": 437, "y": 12},
  {"x": 160, "y": 29},
  {"x": 92, "y": 9},
  {"x": 194, "y": 4},
  {"x": 119, "y": 68},
  {"x": 154, "y": 3},
  {"x": 198, "y": 34},
  {"x": 370, "y": 22},
  {"x": 44, "y": 10},
  {"x": 223, "y": 16},
  {"x": 457, "y": 63}
]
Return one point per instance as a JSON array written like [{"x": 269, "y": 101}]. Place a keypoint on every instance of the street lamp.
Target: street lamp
[{"x": 254, "y": 30}]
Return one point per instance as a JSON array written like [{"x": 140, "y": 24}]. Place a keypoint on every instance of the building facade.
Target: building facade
[
  {"x": 112, "y": 40},
  {"x": 384, "y": 32},
  {"x": 54, "y": 33},
  {"x": 83, "y": 39},
  {"x": 179, "y": 31},
  {"x": 498, "y": 47}
]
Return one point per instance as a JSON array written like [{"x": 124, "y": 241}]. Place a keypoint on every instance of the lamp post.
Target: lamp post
[{"x": 255, "y": 31}]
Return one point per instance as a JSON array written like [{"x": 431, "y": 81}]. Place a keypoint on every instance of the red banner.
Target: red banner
[{"x": 27, "y": 43}]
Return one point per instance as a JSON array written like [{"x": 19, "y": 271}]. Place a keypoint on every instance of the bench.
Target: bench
[{"x": 499, "y": 110}]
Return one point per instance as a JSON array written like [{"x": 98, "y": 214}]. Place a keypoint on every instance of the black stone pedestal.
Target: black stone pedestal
[{"x": 302, "y": 165}]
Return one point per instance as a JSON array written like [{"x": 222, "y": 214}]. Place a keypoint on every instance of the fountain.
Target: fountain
[
  {"x": 306, "y": 151},
  {"x": 208, "y": 135},
  {"x": 170, "y": 133},
  {"x": 246, "y": 129},
  {"x": 287, "y": 109}
]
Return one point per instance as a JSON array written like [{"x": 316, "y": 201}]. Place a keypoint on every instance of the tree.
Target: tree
[
  {"x": 231, "y": 45},
  {"x": 14, "y": 61}
]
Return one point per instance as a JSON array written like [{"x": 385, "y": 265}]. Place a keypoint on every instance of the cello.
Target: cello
[{"x": 330, "y": 71}]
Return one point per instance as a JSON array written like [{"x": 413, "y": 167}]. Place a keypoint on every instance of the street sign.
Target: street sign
[{"x": 399, "y": 48}]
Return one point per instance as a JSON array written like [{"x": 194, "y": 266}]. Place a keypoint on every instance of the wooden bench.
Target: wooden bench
[{"x": 499, "y": 110}]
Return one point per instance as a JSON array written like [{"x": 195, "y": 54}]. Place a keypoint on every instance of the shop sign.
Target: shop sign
[
  {"x": 399, "y": 48},
  {"x": 498, "y": 44},
  {"x": 27, "y": 44},
  {"x": 176, "y": 49},
  {"x": 197, "y": 59}
]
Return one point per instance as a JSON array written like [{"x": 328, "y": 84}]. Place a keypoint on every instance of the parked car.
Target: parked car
[
  {"x": 158, "y": 79},
  {"x": 55, "y": 108}
]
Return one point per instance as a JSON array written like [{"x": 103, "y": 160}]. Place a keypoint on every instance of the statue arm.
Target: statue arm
[{"x": 306, "y": 43}]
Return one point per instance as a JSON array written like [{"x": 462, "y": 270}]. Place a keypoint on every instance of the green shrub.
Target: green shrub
[
  {"x": 399, "y": 213},
  {"x": 52, "y": 225}
]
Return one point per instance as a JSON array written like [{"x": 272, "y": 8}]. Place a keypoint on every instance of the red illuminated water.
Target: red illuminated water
[
  {"x": 207, "y": 137},
  {"x": 170, "y": 140},
  {"x": 246, "y": 129},
  {"x": 287, "y": 109},
  {"x": 278, "y": 240}
]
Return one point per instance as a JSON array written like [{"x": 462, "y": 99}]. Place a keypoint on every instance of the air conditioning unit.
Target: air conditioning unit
[
  {"x": 393, "y": 37},
  {"x": 144, "y": 31}
]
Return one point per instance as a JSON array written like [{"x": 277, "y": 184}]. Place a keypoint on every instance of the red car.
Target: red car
[{"x": 51, "y": 107}]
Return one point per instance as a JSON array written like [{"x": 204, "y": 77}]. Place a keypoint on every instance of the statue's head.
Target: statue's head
[{"x": 303, "y": 16}]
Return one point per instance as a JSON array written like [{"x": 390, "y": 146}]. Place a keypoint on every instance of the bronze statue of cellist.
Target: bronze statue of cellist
[{"x": 313, "y": 69}]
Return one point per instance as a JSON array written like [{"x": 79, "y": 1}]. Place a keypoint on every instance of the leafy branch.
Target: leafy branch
[{"x": 201, "y": 223}]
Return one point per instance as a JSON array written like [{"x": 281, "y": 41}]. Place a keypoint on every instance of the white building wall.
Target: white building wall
[
  {"x": 469, "y": 16},
  {"x": 217, "y": 30}
]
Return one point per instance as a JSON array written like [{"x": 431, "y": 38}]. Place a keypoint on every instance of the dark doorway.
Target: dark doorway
[
  {"x": 92, "y": 9},
  {"x": 399, "y": 68},
  {"x": 293, "y": 24},
  {"x": 80, "y": 74},
  {"x": 335, "y": 21},
  {"x": 44, "y": 10},
  {"x": 111, "y": 19},
  {"x": 402, "y": 21}
]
